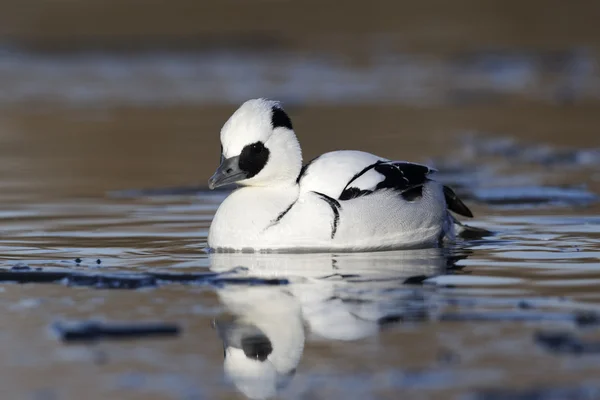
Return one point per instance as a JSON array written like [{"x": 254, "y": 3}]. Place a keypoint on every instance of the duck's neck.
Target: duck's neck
[
  {"x": 284, "y": 185},
  {"x": 284, "y": 164}
]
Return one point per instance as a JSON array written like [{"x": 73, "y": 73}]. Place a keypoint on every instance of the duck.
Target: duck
[{"x": 343, "y": 200}]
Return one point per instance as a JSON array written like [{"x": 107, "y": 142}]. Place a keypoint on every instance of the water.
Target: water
[
  {"x": 97, "y": 79},
  {"x": 104, "y": 217}
]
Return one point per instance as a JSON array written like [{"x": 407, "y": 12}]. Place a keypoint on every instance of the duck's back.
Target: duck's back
[{"x": 330, "y": 172}]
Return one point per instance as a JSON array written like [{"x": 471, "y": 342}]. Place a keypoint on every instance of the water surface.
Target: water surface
[{"x": 103, "y": 162}]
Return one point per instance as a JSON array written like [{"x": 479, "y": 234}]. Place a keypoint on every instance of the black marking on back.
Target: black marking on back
[
  {"x": 406, "y": 178},
  {"x": 253, "y": 158},
  {"x": 304, "y": 169},
  {"x": 353, "y": 192},
  {"x": 455, "y": 204},
  {"x": 281, "y": 215},
  {"x": 279, "y": 118},
  {"x": 402, "y": 176},
  {"x": 359, "y": 174},
  {"x": 335, "y": 207},
  {"x": 257, "y": 347}
]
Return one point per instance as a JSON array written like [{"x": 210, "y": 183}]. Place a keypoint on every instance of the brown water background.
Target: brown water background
[{"x": 101, "y": 99}]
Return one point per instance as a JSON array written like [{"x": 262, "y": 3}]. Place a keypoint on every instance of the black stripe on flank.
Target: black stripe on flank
[
  {"x": 304, "y": 169},
  {"x": 281, "y": 215},
  {"x": 335, "y": 207}
]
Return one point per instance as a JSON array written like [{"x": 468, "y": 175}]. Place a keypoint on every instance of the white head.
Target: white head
[{"x": 259, "y": 147}]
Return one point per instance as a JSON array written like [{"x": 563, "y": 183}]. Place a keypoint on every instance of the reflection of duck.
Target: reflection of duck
[
  {"x": 367, "y": 266},
  {"x": 344, "y": 296},
  {"x": 264, "y": 342}
]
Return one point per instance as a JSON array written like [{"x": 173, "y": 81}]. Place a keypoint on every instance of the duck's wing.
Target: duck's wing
[
  {"x": 406, "y": 178},
  {"x": 345, "y": 175}
]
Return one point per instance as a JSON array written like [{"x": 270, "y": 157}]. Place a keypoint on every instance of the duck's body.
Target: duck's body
[{"x": 342, "y": 201}]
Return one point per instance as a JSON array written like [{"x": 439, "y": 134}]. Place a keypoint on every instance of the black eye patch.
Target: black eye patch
[
  {"x": 280, "y": 119},
  {"x": 253, "y": 158},
  {"x": 257, "y": 347}
]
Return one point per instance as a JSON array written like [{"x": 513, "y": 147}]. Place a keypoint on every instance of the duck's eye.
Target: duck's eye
[{"x": 253, "y": 158}]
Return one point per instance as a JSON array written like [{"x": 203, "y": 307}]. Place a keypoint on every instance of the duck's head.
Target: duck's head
[{"x": 259, "y": 147}]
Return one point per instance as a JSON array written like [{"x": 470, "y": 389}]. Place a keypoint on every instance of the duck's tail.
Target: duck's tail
[
  {"x": 461, "y": 230},
  {"x": 455, "y": 204}
]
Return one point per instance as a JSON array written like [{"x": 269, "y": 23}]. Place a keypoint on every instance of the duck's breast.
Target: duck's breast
[
  {"x": 256, "y": 218},
  {"x": 242, "y": 218}
]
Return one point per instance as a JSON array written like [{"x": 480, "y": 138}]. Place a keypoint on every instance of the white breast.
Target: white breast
[{"x": 248, "y": 220}]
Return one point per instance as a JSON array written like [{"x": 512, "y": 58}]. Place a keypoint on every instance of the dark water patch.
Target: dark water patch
[
  {"x": 111, "y": 281},
  {"x": 33, "y": 276},
  {"x": 87, "y": 331},
  {"x": 75, "y": 278},
  {"x": 584, "y": 318},
  {"x": 583, "y": 392},
  {"x": 509, "y": 174},
  {"x": 524, "y": 196},
  {"x": 130, "y": 280},
  {"x": 522, "y": 305},
  {"x": 411, "y": 314},
  {"x": 20, "y": 267},
  {"x": 566, "y": 343},
  {"x": 481, "y": 145}
]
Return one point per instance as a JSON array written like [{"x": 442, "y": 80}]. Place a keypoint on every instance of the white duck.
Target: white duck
[{"x": 340, "y": 201}]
